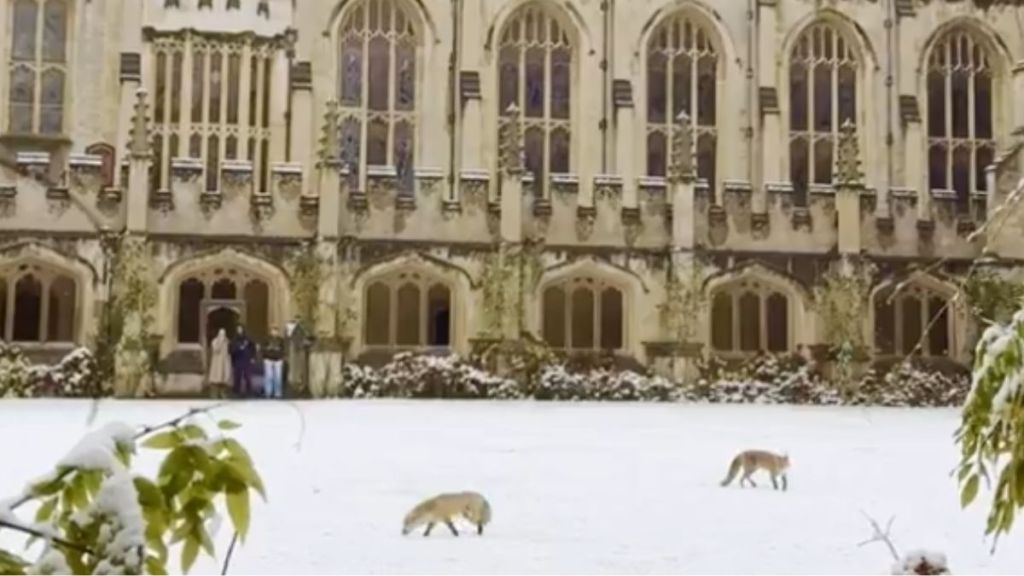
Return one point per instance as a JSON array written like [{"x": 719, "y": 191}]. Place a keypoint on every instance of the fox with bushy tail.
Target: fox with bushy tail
[
  {"x": 444, "y": 508},
  {"x": 751, "y": 461}
]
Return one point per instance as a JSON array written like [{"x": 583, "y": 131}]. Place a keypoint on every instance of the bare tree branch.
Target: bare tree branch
[
  {"x": 231, "y": 550},
  {"x": 881, "y": 535}
]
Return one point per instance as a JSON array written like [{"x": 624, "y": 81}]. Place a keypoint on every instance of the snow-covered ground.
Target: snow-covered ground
[{"x": 576, "y": 488}]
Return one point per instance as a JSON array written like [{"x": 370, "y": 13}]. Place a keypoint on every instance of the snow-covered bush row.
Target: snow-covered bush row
[
  {"x": 765, "y": 380},
  {"x": 75, "y": 375}
]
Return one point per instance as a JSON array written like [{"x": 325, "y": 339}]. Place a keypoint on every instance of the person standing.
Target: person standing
[
  {"x": 242, "y": 355},
  {"x": 273, "y": 364},
  {"x": 218, "y": 376}
]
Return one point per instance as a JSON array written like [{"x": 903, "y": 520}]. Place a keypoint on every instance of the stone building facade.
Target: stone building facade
[{"x": 660, "y": 179}]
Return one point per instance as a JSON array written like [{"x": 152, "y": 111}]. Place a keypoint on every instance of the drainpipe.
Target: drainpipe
[
  {"x": 754, "y": 160},
  {"x": 891, "y": 38},
  {"x": 454, "y": 105},
  {"x": 607, "y": 6}
]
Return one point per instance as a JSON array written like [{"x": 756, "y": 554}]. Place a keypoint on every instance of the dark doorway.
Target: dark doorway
[{"x": 221, "y": 318}]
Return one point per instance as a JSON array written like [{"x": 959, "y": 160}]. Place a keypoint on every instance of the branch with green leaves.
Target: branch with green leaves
[{"x": 96, "y": 516}]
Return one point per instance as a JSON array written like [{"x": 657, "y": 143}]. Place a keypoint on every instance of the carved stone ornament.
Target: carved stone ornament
[
  {"x": 236, "y": 177},
  {"x": 58, "y": 200},
  {"x": 848, "y": 172},
  {"x": 510, "y": 142},
  {"x": 330, "y": 139},
  {"x": 759, "y": 225},
  {"x": 474, "y": 191},
  {"x": 210, "y": 202},
  {"x": 565, "y": 186},
  {"x": 632, "y": 225},
  {"x": 186, "y": 170},
  {"x": 681, "y": 167},
  {"x": 140, "y": 141},
  {"x": 86, "y": 171},
  {"x": 261, "y": 208},
  {"x": 309, "y": 207},
  {"x": 608, "y": 189},
  {"x": 162, "y": 200},
  {"x": 8, "y": 201},
  {"x": 450, "y": 209},
  {"x": 493, "y": 219},
  {"x": 287, "y": 180},
  {"x": 585, "y": 216}
]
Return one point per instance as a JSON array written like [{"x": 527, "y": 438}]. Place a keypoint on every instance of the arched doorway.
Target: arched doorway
[{"x": 221, "y": 316}]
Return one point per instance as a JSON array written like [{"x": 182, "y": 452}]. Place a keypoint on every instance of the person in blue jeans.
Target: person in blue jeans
[
  {"x": 242, "y": 353},
  {"x": 273, "y": 363}
]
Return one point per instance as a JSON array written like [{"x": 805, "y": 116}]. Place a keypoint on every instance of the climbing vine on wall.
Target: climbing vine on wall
[
  {"x": 841, "y": 300},
  {"x": 684, "y": 300},
  {"x": 993, "y": 298},
  {"x": 509, "y": 275},
  {"x": 307, "y": 277},
  {"x": 125, "y": 337}
]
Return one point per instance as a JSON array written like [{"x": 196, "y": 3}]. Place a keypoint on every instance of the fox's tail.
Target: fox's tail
[{"x": 734, "y": 468}]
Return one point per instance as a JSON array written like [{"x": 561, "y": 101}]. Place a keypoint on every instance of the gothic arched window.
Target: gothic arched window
[
  {"x": 682, "y": 76},
  {"x": 377, "y": 90},
  {"x": 822, "y": 96},
  {"x": 583, "y": 313},
  {"x": 914, "y": 321},
  {"x": 535, "y": 64},
  {"x": 408, "y": 310},
  {"x": 39, "y": 305},
  {"x": 37, "y": 67},
  {"x": 749, "y": 317},
  {"x": 961, "y": 140}
]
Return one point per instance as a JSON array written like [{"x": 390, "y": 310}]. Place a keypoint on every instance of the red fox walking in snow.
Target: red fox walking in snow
[
  {"x": 444, "y": 507},
  {"x": 753, "y": 460}
]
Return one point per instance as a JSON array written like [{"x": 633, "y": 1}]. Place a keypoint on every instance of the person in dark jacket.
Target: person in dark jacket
[
  {"x": 273, "y": 363},
  {"x": 243, "y": 353}
]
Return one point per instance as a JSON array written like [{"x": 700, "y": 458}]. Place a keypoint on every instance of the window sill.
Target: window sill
[{"x": 39, "y": 141}]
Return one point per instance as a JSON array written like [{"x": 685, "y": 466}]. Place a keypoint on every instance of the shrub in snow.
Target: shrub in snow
[
  {"x": 16, "y": 378},
  {"x": 412, "y": 376},
  {"x": 921, "y": 562},
  {"x": 95, "y": 515},
  {"x": 909, "y": 383}
]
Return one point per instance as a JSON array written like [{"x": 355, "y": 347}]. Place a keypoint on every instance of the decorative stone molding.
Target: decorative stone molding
[
  {"x": 35, "y": 164},
  {"x": 405, "y": 202},
  {"x": 262, "y": 207},
  {"x": 529, "y": 188},
  {"x": 140, "y": 141},
  {"x": 357, "y": 201},
  {"x": 329, "y": 152},
  {"x": 186, "y": 170},
  {"x": 286, "y": 179},
  {"x": 564, "y": 186},
  {"x": 429, "y": 180},
  {"x": 542, "y": 208},
  {"x": 681, "y": 167},
  {"x": 162, "y": 200},
  {"x": 760, "y": 225},
  {"x": 109, "y": 198},
  {"x": 780, "y": 193},
  {"x": 210, "y": 202},
  {"x": 493, "y": 219},
  {"x": 474, "y": 184},
  {"x": 381, "y": 182},
  {"x": 450, "y": 209},
  {"x": 944, "y": 206},
  {"x": 925, "y": 229},
  {"x": 905, "y": 9},
  {"x": 717, "y": 216},
  {"x": 964, "y": 227},
  {"x": 8, "y": 201},
  {"x": 649, "y": 184},
  {"x": 309, "y": 206},
  {"x": 801, "y": 219},
  {"x": 58, "y": 199},
  {"x": 608, "y": 188},
  {"x": 510, "y": 142},
  {"x": 85, "y": 169},
  {"x": 632, "y": 224},
  {"x": 885, "y": 225},
  {"x": 585, "y": 216},
  {"x": 236, "y": 176}
]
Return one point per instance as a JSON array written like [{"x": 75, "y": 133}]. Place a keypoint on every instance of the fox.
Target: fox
[
  {"x": 444, "y": 507},
  {"x": 753, "y": 460}
]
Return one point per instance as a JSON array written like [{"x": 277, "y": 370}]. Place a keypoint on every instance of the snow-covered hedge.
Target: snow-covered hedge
[
  {"x": 764, "y": 380},
  {"x": 75, "y": 375}
]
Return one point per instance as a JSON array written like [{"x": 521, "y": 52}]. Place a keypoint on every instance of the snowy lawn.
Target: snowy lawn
[{"x": 576, "y": 488}]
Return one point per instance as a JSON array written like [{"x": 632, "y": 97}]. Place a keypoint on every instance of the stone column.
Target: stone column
[
  {"x": 139, "y": 159},
  {"x": 278, "y": 106},
  {"x": 329, "y": 176},
  {"x": 131, "y": 78},
  {"x": 682, "y": 179},
  {"x": 768, "y": 99},
  {"x": 915, "y": 175},
  {"x": 510, "y": 142},
  {"x": 625, "y": 141},
  {"x": 849, "y": 184},
  {"x": 302, "y": 122},
  {"x": 472, "y": 121}
]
